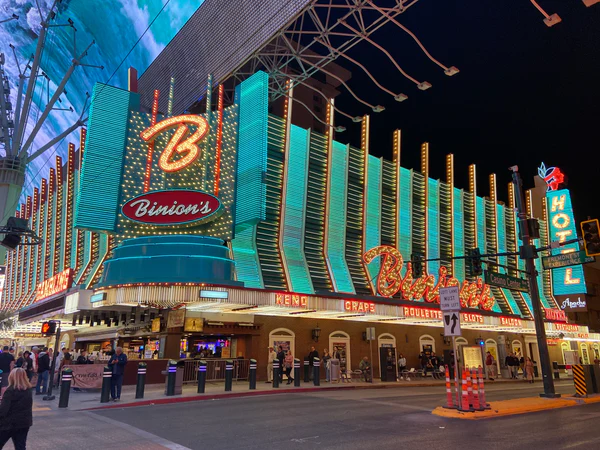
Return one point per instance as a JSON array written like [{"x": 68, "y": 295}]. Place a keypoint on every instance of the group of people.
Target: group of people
[
  {"x": 430, "y": 362},
  {"x": 514, "y": 362}
]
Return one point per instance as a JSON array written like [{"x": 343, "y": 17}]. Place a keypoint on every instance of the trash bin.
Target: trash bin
[{"x": 334, "y": 369}]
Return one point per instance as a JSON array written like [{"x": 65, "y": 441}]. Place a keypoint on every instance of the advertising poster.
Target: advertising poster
[
  {"x": 194, "y": 324},
  {"x": 176, "y": 318},
  {"x": 87, "y": 376},
  {"x": 472, "y": 357}
]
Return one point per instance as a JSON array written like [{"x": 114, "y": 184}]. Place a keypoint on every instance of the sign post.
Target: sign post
[
  {"x": 371, "y": 338},
  {"x": 450, "y": 305}
]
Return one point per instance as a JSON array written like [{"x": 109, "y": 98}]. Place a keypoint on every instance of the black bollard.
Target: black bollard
[
  {"x": 202, "y": 377},
  {"x": 306, "y": 369},
  {"x": 316, "y": 372},
  {"x": 65, "y": 387},
  {"x": 228, "y": 375},
  {"x": 106, "y": 378},
  {"x": 171, "y": 375},
  {"x": 141, "y": 380},
  {"x": 296, "y": 372},
  {"x": 275, "y": 373},
  {"x": 252, "y": 374}
]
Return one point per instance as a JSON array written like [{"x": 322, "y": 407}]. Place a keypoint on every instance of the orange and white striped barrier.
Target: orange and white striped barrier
[
  {"x": 482, "y": 403},
  {"x": 475, "y": 390},
  {"x": 448, "y": 390},
  {"x": 469, "y": 386},
  {"x": 465, "y": 393}
]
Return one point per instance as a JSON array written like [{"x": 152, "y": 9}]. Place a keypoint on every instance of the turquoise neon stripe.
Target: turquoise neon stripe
[
  {"x": 295, "y": 207},
  {"x": 433, "y": 227},
  {"x": 246, "y": 257},
  {"x": 459, "y": 234},
  {"x": 250, "y": 204},
  {"x": 336, "y": 236},
  {"x": 405, "y": 214},
  {"x": 102, "y": 249},
  {"x": 512, "y": 302},
  {"x": 528, "y": 300},
  {"x": 501, "y": 227},
  {"x": 373, "y": 211}
]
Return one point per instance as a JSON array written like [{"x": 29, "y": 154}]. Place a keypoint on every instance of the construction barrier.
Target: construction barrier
[
  {"x": 465, "y": 393},
  {"x": 448, "y": 390},
  {"x": 474, "y": 376},
  {"x": 482, "y": 403},
  {"x": 469, "y": 387}
]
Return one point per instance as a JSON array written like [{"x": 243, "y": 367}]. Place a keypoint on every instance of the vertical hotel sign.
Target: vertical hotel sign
[{"x": 565, "y": 280}]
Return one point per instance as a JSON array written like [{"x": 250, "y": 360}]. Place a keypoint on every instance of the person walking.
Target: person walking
[
  {"x": 327, "y": 364},
  {"x": 117, "y": 362},
  {"x": 490, "y": 364},
  {"x": 289, "y": 363},
  {"x": 424, "y": 363},
  {"x": 7, "y": 363},
  {"x": 365, "y": 368},
  {"x": 43, "y": 372},
  {"x": 16, "y": 416},
  {"x": 529, "y": 369},
  {"x": 272, "y": 357},
  {"x": 26, "y": 363},
  {"x": 281, "y": 358}
]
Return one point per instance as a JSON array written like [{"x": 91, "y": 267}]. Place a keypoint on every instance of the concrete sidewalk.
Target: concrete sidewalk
[{"x": 155, "y": 394}]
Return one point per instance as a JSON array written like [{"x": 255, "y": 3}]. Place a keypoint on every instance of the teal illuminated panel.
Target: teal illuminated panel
[
  {"x": 433, "y": 226},
  {"x": 373, "y": 211},
  {"x": 295, "y": 210},
  {"x": 511, "y": 301},
  {"x": 481, "y": 224},
  {"x": 527, "y": 300},
  {"x": 245, "y": 255},
  {"x": 459, "y": 234},
  {"x": 251, "y": 191},
  {"x": 566, "y": 280},
  {"x": 336, "y": 233},
  {"x": 405, "y": 214},
  {"x": 98, "y": 196}
]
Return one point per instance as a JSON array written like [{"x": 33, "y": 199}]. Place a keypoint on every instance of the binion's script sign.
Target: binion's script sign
[{"x": 390, "y": 281}]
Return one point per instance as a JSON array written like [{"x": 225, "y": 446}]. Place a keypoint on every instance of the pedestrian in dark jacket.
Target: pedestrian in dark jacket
[
  {"x": 16, "y": 410},
  {"x": 43, "y": 371},
  {"x": 117, "y": 363},
  {"x": 26, "y": 363},
  {"x": 281, "y": 358}
]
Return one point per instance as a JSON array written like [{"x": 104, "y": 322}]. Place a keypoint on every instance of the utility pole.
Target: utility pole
[{"x": 529, "y": 253}]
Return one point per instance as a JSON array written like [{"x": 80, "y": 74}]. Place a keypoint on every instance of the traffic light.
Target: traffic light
[
  {"x": 49, "y": 328},
  {"x": 417, "y": 265},
  {"x": 476, "y": 268},
  {"x": 591, "y": 238}
]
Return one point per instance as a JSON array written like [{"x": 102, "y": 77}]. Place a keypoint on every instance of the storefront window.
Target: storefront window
[
  {"x": 492, "y": 347},
  {"x": 426, "y": 344},
  {"x": 585, "y": 355},
  {"x": 284, "y": 338},
  {"x": 596, "y": 352},
  {"x": 517, "y": 348}
]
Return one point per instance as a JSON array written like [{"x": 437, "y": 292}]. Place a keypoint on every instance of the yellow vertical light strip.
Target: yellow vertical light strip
[
  {"x": 287, "y": 116},
  {"x": 364, "y": 146},
  {"x": 425, "y": 173},
  {"x": 396, "y": 160},
  {"x": 494, "y": 200},
  {"x": 328, "y": 186},
  {"x": 473, "y": 191},
  {"x": 529, "y": 202},
  {"x": 450, "y": 183}
]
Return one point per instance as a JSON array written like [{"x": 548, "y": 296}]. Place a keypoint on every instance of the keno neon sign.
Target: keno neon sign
[{"x": 390, "y": 282}]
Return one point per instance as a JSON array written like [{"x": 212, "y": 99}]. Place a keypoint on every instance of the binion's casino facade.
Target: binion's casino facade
[{"x": 268, "y": 233}]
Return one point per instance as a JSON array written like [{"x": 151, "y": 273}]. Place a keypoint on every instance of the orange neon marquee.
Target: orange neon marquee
[{"x": 54, "y": 285}]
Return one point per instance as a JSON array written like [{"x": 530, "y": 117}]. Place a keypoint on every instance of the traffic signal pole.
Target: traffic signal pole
[
  {"x": 529, "y": 253},
  {"x": 49, "y": 395}
]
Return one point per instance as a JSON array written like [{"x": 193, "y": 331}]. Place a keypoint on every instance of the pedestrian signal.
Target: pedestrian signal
[
  {"x": 49, "y": 328},
  {"x": 591, "y": 238}
]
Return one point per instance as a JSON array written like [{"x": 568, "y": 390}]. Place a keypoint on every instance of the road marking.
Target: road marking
[
  {"x": 141, "y": 433},
  {"x": 305, "y": 439},
  {"x": 577, "y": 444},
  {"x": 397, "y": 405}
]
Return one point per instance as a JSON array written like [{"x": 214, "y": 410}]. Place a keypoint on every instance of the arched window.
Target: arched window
[
  {"x": 492, "y": 347},
  {"x": 387, "y": 340},
  {"x": 339, "y": 347},
  {"x": 596, "y": 351},
  {"x": 585, "y": 354},
  {"x": 461, "y": 341},
  {"x": 426, "y": 344},
  {"x": 517, "y": 348},
  {"x": 284, "y": 337},
  {"x": 564, "y": 347}
]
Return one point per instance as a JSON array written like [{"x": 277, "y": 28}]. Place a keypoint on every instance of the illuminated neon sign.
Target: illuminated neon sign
[
  {"x": 565, "y": 280},
  {"x": 178, "y": 145},
  {"x": 553, "y": 177},
  {"x": 54, "y": 285},
  {"x": 359, "y": 306},
  {"x": 291, "y": 300},
  {"x": 390, "y": 281},
  {"x": 172, "y": 207}
]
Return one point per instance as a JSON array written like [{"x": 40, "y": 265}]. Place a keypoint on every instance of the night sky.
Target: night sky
[{"x": 525, "y": 93}]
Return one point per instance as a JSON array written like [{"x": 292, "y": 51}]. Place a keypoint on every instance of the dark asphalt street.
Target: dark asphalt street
[{"x": 359, "y": 419}]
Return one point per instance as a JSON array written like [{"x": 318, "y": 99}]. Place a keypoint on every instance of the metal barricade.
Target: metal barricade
[{"x": 215, "y": 370}]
